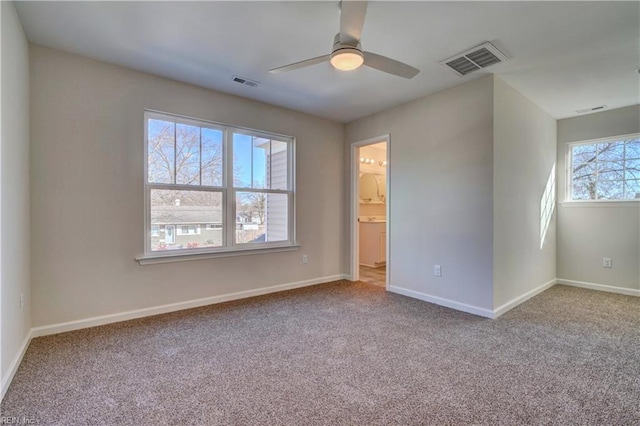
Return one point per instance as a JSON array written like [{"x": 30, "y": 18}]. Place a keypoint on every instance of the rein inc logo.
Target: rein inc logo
[{"x": 18, "y": 420}]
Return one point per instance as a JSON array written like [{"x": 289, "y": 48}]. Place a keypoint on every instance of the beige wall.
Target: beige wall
[
  {"x": 87, "y": 192},
  {"x": 441, "y": 191},
  {"x": 14, "y": 190},
  {"x": 589, "y": 232},
  {"x": 523, "y": 158}
]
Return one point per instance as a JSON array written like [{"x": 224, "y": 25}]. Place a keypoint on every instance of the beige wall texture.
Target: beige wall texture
[
  {"x": 588, "y": 232},
  {"x": 524, "y": 153},
  {"x": 441, "y": 191},
  {"x": 14, "y": 189},
  {"x": 87, "y": 192}
]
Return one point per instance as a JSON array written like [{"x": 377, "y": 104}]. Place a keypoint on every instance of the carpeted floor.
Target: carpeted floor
[{"x": 344, "y": 353}]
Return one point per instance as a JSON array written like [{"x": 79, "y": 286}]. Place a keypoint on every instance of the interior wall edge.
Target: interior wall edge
[{"x": 15, "y": 363}]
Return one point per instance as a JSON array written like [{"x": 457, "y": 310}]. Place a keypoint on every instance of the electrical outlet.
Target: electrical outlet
[
  {"x": 21, "y": 302},
  {"x": 305, "y": 259},
  {"x": 606, "y": 262},
  {"x": 437, "y": 270}
]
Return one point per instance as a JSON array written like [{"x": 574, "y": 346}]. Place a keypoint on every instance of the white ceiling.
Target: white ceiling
[{"x": 564, "y": 56}]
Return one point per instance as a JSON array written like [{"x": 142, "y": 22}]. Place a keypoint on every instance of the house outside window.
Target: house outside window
[
  {"x": 605, "y": 169},
  {"x": 213, "y": 188}
]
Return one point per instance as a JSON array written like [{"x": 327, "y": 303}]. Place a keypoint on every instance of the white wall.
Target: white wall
[
  {"x": 441, "y": 191},
  {"x": 14, "y": 189},
  {"x": 523, "y": 158},
  {"x": 589, "y": 232},
  {"x": 87, "y": 192}
]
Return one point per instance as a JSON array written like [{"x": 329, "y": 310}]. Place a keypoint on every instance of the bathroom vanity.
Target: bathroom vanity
[{"x": 373, "y": 241}]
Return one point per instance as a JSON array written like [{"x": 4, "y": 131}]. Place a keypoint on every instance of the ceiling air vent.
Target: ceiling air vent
[
  {"x": 474, "y": 59},
  {"x": 586, "y": 110},
  {"x": 244, "y": 81}
]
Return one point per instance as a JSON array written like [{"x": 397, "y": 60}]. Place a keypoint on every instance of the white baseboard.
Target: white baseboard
[
  {"x": 600, "y": 287},
  {"x": 15, "y": 363},
  {"x": 163, "y": 309},
  {"x": 442, "y": 302},
  {"x": 523, "y": 298}
]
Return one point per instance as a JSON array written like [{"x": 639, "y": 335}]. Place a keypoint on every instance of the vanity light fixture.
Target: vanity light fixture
[
  {"x": 367, "y": 160},
  {"x": 383, "y": 163}
]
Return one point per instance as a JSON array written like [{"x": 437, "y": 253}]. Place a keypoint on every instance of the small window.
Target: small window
[
  {"x": 607, "y": 169},
  {"x": 215, "y": 188}
]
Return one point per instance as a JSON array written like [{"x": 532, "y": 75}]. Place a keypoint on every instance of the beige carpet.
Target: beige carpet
[{"x": 344, "y": 353}]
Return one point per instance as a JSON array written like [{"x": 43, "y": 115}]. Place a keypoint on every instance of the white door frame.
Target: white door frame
[{"x": 354, "y": 205}]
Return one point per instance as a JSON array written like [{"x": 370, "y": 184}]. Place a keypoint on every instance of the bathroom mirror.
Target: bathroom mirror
[
  {"x": 382, "y": 188},
  {"x": 368, "y": 188}
]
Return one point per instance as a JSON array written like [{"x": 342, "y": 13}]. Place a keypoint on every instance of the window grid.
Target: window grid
[
  {"x": 624, "y": 171},
  {"x": 227, "y": 189}
]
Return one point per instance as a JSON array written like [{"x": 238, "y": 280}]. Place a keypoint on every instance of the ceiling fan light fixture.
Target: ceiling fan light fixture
[{"x": 347, "y": 59}]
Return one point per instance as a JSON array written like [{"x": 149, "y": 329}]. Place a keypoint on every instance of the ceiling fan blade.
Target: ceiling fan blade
[
  {"x": 388, "y": 65},
  {"x": 301, "y": 64},
  {"x": 352, "y": 15}
]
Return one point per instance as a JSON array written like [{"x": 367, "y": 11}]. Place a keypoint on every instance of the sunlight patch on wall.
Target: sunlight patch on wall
[{"x": 547, "y": 205}]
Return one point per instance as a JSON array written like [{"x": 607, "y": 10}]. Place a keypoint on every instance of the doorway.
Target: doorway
[{"x": 370, "y": 211}]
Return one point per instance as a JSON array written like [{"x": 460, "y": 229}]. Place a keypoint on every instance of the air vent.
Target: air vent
[
  {"x": 244, "y": 81},
  {"x": 586, "y": 110},
  {"x": 474, "y": 59}
]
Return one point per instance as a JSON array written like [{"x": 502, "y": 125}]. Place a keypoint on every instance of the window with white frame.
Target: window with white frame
[
  {"x": 215, "y": 188},
  {"x": 607, "y": 169}
]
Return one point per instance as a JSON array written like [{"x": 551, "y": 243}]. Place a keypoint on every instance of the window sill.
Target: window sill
[
  {"x": 608, "y": 203},
  {"x": 154, "y": 259}
]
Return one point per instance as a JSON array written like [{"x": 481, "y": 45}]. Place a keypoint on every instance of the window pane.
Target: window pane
[
  {"x": 161, "y": 154},
  {"x": 583, "y": 154},
  {"x": 584, "y": 170},
  {"x": 584, "y": 188},
  {"x": 633, "y": 149},
  {"x": 261, "y": 217},
  {"x": 187, "y": 154},
  {"x": 185, "y": 211},
  {"x": 611, "y": 170},
  {"x": 211, "y": 157},
  {"x": 633, "y": 169},
  {"x": 632, "y": 189},
  {"x": 241, "y": 160},
  {"x": 611, "y": 151},
  {"x": 279, "y": 165},
  {"x": 260, "y": 153},
  {"x": 610, "y": 190}
]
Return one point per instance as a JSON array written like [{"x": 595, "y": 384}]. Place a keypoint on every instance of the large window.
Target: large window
[
  {"x": 215, "y": 188},
  {"x": 607, "y": 169}
]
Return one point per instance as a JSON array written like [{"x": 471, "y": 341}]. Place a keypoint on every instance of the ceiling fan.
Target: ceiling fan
[{"x": 347, "y": 53}]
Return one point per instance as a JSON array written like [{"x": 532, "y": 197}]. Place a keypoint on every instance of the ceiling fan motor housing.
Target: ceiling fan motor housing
[{"x": 346, "y": 56}]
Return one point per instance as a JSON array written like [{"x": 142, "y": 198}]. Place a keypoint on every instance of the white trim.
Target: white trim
[
  {"x": 604, "y": 139},
  {"x": 180, "y": 256},
  {"x": 601, "y": 203},
  {"x": 600, "y": 287},
  {"x": 475, "y": 310},
  {"x": 354, "y": 204},
  {"x": 15, "y": 363},
  {"x": 172, "y": 307},
  {"x": 523, "y": 298}
]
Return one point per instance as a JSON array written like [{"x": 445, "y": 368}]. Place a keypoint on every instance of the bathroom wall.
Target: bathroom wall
[{"x": 378, "y": 153}]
